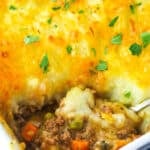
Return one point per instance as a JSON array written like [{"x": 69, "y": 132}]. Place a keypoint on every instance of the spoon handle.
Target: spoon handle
[
  {"x": 141, "y": 143},
  {"x": 141, "y": 106}
]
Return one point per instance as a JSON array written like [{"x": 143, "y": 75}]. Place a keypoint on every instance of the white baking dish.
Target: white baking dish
[{"x": 7, "y": 139}]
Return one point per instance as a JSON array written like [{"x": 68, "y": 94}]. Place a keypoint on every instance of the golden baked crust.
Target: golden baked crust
[{"x": 84, "y": 26}]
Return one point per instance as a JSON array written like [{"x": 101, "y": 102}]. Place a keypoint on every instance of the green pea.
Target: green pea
[
  {"x": 48, "y": 116},
  {"x": 77, "y": 123}
]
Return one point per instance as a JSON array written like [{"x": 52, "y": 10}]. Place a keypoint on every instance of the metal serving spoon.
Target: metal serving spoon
[
  {"x": 141, "y": 106},
  {"x": 143, "y": 142}
]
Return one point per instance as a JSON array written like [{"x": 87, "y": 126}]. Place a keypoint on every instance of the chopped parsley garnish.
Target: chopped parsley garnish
[
  {"x": 135, "y": 49},
  {"x": 133, "y": 7},
  {"x": 12, "y": 7},
  {"x": 67, "y": 5},
  {"x": 113, "y": 21},
  {"x": 138, "y": 4},
  {"x": 81, "y": 11},
  {"x": 117, "y": 39},
  {"x": 102, "y": 66},
  {"x": 55, "y": 26},
  {"x": 127, "y": 94},
  {"x": 69, "y": 49},
  {"x": 145, "y": 36},
  {"x": 44, "y": 63},
  {"x": 49, "y": 20},
  {"x": 94, "y": 51},
  {"x": 56, "y": 8},
  {"x": 31, "y": 39}
]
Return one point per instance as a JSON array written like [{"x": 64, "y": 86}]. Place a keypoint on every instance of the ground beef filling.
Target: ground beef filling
[
  {"x": 55, "y": 131},
  {"x": 41, "y": 129}
]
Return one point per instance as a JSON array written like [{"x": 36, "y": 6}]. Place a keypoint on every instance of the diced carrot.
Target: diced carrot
[
  {"x": 80, "y": 145},
  {"x": 28, "y": 131}
]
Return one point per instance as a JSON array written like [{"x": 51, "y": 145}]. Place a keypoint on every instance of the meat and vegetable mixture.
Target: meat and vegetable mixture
[{"x": 80, "y": 122}]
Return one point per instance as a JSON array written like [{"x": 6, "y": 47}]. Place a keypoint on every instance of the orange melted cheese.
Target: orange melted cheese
[{"x": 84, "y": 25}]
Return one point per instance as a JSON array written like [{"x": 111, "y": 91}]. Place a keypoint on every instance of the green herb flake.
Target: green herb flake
[
  {"x": 12, "y": 7},
  {"x": 49, "y": 21},
  {"x": 29, "y": 39},
  {"x": 69, "y": 49},
  {"x": 81, "y": 11},
  {"x": 102, "y": 66},
  {"x": 117, "y": 39},
  {"x": 44, "y": 64},
  {"x": 56, "y": 8},
  {"x": 138, "y": 4},
  {"x": 127, "y": 94},
  {"x": 133, "y": 7},
  {"x": 135, "y": 49},
  {"x": 55, "y": 26},
  {"x": 113, "y": 21},
  {"x": 67, "y": 5},
  {"x": 145, "y": 36},
  {"x": 94, "y": 51}
]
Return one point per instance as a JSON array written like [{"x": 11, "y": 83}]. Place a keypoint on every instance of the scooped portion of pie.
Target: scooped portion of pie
[{"x": 80, "y": 121}]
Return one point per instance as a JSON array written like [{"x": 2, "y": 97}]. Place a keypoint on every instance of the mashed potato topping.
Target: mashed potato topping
[{"x": 47, "y": 47}]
